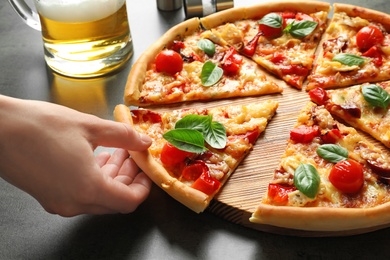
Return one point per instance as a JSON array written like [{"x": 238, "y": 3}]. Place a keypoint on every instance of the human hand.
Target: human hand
[{"x": 48, "y": 151}]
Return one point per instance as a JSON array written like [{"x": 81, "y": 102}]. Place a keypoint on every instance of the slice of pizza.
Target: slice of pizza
[
  {"x": 356, "y": 49},
  {"x": 194, "y": 151},
  {"x": 284, "y": 42},
  {"x": 365, "y": 107},
  {"x": 185, "y": 65},
  {"x": 330, "y": 178}
]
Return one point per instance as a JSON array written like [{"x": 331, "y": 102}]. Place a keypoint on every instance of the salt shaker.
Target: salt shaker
[
  {"x": 169, "y": 5},
  {"x": 199, "y": 8}
]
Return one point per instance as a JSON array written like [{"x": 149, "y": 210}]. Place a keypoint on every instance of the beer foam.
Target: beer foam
[{"x": 76, "y": 11}]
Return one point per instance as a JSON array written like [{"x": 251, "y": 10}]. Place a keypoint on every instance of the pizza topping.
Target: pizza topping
[
  {"x": 304, "y": 134},
  {"x": 332, "y": 136},
  {"x": 143, "y": 115},
  {"x": 278, "y": 193},
  {"x": 369, "y": 36},
  {"x": 169, "y": 61},
  {"x": 332, "y": 153},
  {"x": 300, "y": 29},
  {"x": 271, "y": 25},
  {"x": 250, "y": 47},
  {"x": 376, "y": 96},
  {"x": 380, "y": 168},
  {"x": 193, "y": 170},
  {"x": 207, "y": 46},
  {"x": 170, "y": 155},
  {"x": 205, "y": 183},
  {"x": 231, "y": 62},
  {"x": 348, "y": 59},
  {"x": 375, "y": 53},
  {"x": 307, "y": 180},
  {"x": 347, "y": 176},
  {"x": 193, "y": 130},
  {"x": 318, "y": 95},
  {"x": 211, "y": 74},
  {"x": 177, "y": 46}
]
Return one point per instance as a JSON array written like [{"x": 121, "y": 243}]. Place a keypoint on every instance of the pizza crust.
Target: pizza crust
[{"x": 321, "y": 219}]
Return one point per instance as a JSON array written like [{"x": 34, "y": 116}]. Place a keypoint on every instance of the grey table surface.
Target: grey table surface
[{"x": 161, "y": 228}]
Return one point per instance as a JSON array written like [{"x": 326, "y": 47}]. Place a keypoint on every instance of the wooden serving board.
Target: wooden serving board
[{"x": 243, "y": 192}]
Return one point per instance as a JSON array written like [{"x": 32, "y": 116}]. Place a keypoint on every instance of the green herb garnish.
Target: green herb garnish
[
  {"x": 332, "y": 152},
  {"x": 192, "y": 131},
  {"x": 376, "y": 96},
  {"x": 210, "y": 74},
  {"x": 349, "y": 59},
  {"x": 272, "y": 20},
  {"x": 307, "y": 180},
  {"x": 207, "y": 46},
  {"x": 300, "y": 29}
]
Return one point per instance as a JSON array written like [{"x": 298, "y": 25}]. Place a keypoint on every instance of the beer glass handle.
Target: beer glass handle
[{"x": 30, "y": 17}]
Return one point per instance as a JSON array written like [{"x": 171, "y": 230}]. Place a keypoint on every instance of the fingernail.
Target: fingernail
[{"x": 146, "y": 139}]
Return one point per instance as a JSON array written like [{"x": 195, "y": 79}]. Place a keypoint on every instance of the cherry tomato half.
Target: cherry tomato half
[
  {"x": 304, "y": 134},
  {"x": 347, "y": 176},
  {"x": 169, "y": 61},
  {"x": 270, "y": 32},
  {"x": 170, "y": 155},
  {"x": 368, "y": 36}
]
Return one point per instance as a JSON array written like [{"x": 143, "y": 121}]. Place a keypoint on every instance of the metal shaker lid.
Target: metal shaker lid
[
  {"x": 169, "y": 5},
  {"x": 199, "y": 8}
]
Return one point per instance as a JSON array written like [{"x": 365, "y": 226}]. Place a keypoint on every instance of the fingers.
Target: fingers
[
  {"x": 115, "y": 162},
  {"x": 126, "y": 188},
  {"x": 102, "y": 158},
  {"x": 114, "y": 134}
]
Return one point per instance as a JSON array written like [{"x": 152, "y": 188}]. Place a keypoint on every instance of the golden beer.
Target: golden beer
[{"x": 85, "y": 39}]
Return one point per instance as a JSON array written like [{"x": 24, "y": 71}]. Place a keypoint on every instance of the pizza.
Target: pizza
[
  {"x": 195, "y": 151},
  {"x": 355, "y": 49},
  {"x": 329, "y": 178},
  {"x": 218, "y": 56},
  {"x": 327, "y": 67},
  {"x": 365, "y": 107}
]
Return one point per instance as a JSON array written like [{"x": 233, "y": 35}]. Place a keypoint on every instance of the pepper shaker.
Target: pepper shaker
[
  {"x": 200, "y": 8},
  {"x": 169, "y": 5}
]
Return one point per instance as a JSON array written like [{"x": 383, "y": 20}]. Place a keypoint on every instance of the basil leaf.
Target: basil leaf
[
  {"x": 215, "y": 135},
  {"x": 186, "y": 139},
  {"x": 332, "y": 152},
  {"x": 301, "y": 29},
  {"x": 272, "y": 20},
  {"x": 210, "y": 74},
  {"x": 193, "y": 121},
  {"x": 207, "y": 46},
  {"x": 349, "y": 59},
  {"x": 376, "y": 96},
  {"x": 307, "y": 180}
]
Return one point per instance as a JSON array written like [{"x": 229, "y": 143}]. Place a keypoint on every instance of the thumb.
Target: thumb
[{"x": 119, "y": 135}]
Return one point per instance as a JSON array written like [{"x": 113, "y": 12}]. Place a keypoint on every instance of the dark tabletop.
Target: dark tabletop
[{"x": 161, "y": 228}]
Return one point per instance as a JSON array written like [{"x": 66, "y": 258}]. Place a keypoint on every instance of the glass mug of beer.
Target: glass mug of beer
[{"x": 82, "y": 38}]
